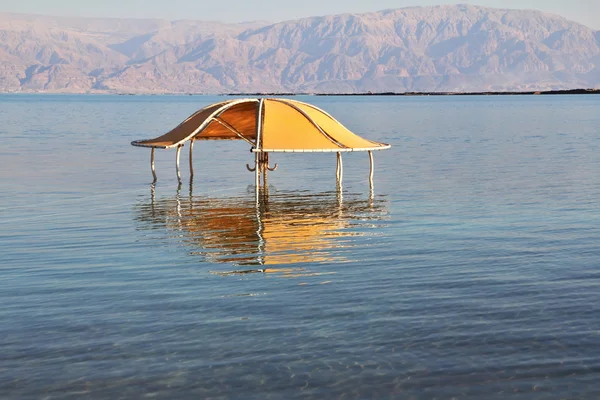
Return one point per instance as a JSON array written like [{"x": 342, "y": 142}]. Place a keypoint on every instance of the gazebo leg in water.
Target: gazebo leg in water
[{"x": 268, "y": 126}]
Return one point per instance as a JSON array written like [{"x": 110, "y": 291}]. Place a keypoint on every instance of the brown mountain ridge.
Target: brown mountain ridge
[{"x": 418, "y": 49}]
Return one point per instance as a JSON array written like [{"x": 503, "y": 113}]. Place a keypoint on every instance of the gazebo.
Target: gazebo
[{"x": 268, "y": 125}]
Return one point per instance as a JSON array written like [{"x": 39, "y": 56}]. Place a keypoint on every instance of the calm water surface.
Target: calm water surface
[{"x": 472, "y": 271}]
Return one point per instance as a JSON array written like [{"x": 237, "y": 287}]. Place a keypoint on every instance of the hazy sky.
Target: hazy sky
[{"x": 584, "y": 11}]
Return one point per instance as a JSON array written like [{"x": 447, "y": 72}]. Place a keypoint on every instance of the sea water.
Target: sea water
[{"x": 471, "y": 270}]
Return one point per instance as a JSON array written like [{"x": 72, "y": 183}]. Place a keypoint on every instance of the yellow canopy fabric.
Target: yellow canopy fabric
[{"x": 268, "y": 125}]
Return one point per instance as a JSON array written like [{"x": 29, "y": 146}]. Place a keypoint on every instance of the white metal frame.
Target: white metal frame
[
  {"x": 177, "y": 162},
  {"x": 339, "y": 169},
  {"x": 259, "y": 128},
  {"x": 152, "y": 165},
  {"x": 191, "y": 164},
  {"x": 343, "y": 150}
]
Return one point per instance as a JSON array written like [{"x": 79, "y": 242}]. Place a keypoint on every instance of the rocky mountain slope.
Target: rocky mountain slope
[{"x": 444, "y": 48}]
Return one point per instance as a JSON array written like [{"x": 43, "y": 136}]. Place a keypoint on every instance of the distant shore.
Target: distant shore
[
  {"x": 527, "y": 93},
  {"x": 274, "y": 94}
]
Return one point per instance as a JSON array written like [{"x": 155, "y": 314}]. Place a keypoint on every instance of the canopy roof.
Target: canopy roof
[{"x": 268, "y": 125}]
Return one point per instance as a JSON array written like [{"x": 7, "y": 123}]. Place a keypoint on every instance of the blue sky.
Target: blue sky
[{"x": 584, "y": 11}]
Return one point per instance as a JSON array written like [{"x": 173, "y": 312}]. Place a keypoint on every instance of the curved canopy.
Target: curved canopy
[{"x": 268, "y": 125}]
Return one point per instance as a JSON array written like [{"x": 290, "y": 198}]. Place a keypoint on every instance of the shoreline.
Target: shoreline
[
  {"x": 519, "y": 93},
  {"x": 263, "y": 94}
]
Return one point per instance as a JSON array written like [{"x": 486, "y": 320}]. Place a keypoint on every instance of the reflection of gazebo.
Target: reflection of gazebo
[
  {"x": 280, "y": 229},
  {"x": 268, "y": 125}
]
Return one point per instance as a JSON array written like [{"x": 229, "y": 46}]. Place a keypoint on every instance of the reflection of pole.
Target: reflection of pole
[
  {"x": 177, "y": 163},
  {"x": 340, "y": 200},
  {"x": 178, "y": 208},
  {"x": 259, "y": 229},
  {"x": 152, "y": 165},
  {"x": 191, "y": 164},
  {"x": 152, "y": 197}
]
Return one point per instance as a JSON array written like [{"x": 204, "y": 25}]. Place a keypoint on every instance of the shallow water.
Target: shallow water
[{"x": 470, "y": 272}]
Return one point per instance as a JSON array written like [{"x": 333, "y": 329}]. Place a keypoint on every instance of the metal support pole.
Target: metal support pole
[
  {"x": 340, "y": 168},
  {"x": 177, "y": 163},
  {"x": 152, "y": 165},
  {"x": 257, "y": 169},
  {"x": 371, "y": 174},
  {"x": 191, "y": 164},
  {"x": 258, "y": 146},
  {"x": 266, "y": 170}
]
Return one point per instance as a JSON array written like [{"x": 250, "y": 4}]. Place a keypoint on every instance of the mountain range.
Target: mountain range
[{"x": 443, "y": 48}]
